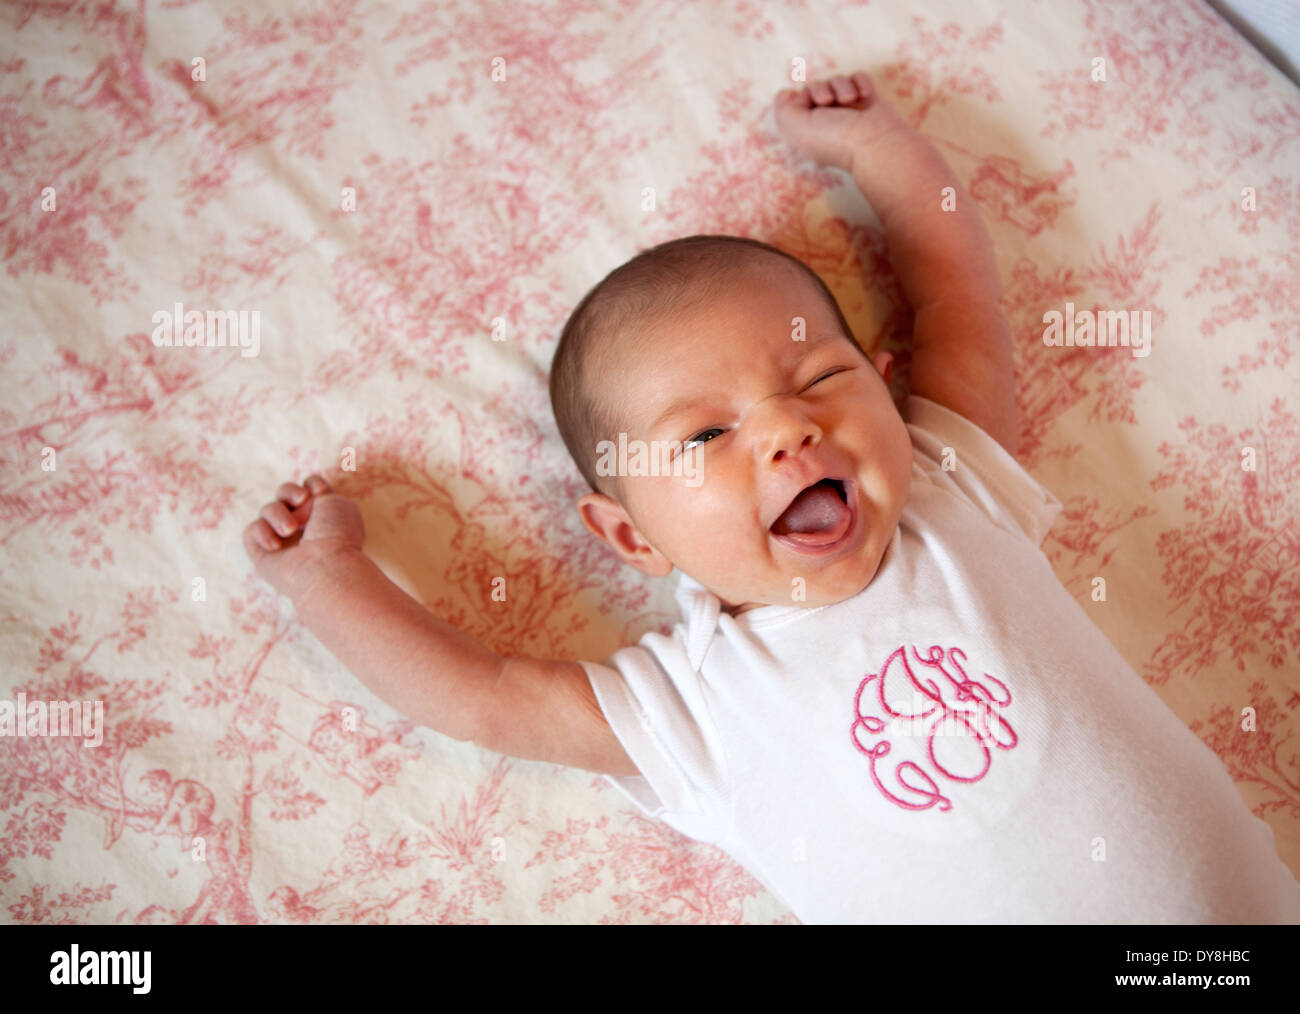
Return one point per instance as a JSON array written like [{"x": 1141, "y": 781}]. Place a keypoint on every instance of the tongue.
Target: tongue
[{"x": 817, "y": 509}]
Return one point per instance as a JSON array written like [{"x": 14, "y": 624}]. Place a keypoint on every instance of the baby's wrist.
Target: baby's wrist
[{"x": 322, "y": 573}]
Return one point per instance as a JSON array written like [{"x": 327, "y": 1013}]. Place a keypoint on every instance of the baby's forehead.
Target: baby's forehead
[
  {"x": 684, "y": 363},
  {"x": 760, "y": 314}
]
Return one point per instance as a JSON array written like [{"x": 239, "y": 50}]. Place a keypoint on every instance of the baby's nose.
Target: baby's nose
[
  {"x": 781, "y": 448},
  {"x": 787, "y": 431}
]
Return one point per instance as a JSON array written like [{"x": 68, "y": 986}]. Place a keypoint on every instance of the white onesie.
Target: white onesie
[{"x": 957, "y": 743}]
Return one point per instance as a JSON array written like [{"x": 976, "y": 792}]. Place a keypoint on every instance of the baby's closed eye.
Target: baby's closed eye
[{"x": 829, "y": 373}]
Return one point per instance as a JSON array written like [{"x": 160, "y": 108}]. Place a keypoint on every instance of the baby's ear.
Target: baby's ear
[
  {"x": 607, "y": 519},
  {"x": 884, "y": 364}
]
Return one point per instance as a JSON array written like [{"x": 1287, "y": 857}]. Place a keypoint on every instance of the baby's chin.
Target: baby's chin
[{"x": 812, "y": 589}]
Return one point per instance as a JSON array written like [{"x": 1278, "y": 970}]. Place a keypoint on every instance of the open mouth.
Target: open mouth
[{"x": 819, "y": 518}]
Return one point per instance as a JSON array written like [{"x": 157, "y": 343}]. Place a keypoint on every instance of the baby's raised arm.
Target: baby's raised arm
[
  {"x": 939, "y": 248},
  {"x": 307, "y": 544}
]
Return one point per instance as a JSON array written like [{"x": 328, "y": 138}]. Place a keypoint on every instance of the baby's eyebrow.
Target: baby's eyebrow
[{"x": 678, "y": 407}]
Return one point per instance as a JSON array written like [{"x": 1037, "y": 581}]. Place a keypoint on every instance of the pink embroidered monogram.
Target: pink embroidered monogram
[{"x": 957, "y": 737}]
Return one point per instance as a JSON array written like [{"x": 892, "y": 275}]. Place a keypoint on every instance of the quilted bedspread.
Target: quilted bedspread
[{"x": 391, "y": 208}]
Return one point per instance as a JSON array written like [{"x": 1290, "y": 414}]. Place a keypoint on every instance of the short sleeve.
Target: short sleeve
[
  {"x": 985, "y": 475},
  {"x": 654, "y": 703}
]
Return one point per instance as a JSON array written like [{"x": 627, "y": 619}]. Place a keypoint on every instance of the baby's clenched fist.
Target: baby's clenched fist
[
  {"x": 300, "y": 533},
  {"x": 829, "y": 119}
]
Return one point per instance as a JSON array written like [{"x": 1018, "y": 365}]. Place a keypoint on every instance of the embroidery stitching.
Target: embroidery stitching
[{"x": 983, "y": 725}]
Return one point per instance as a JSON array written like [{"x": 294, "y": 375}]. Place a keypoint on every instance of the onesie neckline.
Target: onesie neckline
[
  {"x": 691, "y": 595},
  {"x": 703, "y": 609}
]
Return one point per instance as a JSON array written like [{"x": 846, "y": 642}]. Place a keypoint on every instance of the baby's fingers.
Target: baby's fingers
[
  {"x": 317, "y": 485},
  {"x": 822, "y": 93},
  {"x": 292, "y": 494},
  {"x": 277, "y": 515},
  {"x": 845, "y": 90},
  {"x": 259, "y": 539},
  {"x": 797, "y": 97}
]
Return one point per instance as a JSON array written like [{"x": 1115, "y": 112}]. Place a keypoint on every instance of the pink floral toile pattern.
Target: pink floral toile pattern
[{"x": 412, "y": 197}]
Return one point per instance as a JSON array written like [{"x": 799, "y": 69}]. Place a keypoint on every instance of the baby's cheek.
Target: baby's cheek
[{"x": 901, "y": 443}]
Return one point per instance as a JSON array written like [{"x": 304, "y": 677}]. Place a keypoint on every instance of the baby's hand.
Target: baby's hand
[
  {"x": 300, "y": 532},
  {"x": 829, "y": 120}
]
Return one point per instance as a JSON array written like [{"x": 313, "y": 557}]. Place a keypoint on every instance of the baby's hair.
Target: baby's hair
[{"x": 656, "y": 282}]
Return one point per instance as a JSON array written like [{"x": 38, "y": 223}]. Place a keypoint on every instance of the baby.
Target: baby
[{"x": 879, "y": 699}]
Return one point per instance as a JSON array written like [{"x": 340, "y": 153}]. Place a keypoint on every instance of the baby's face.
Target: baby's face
[{"x": 769, "y": 416}]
